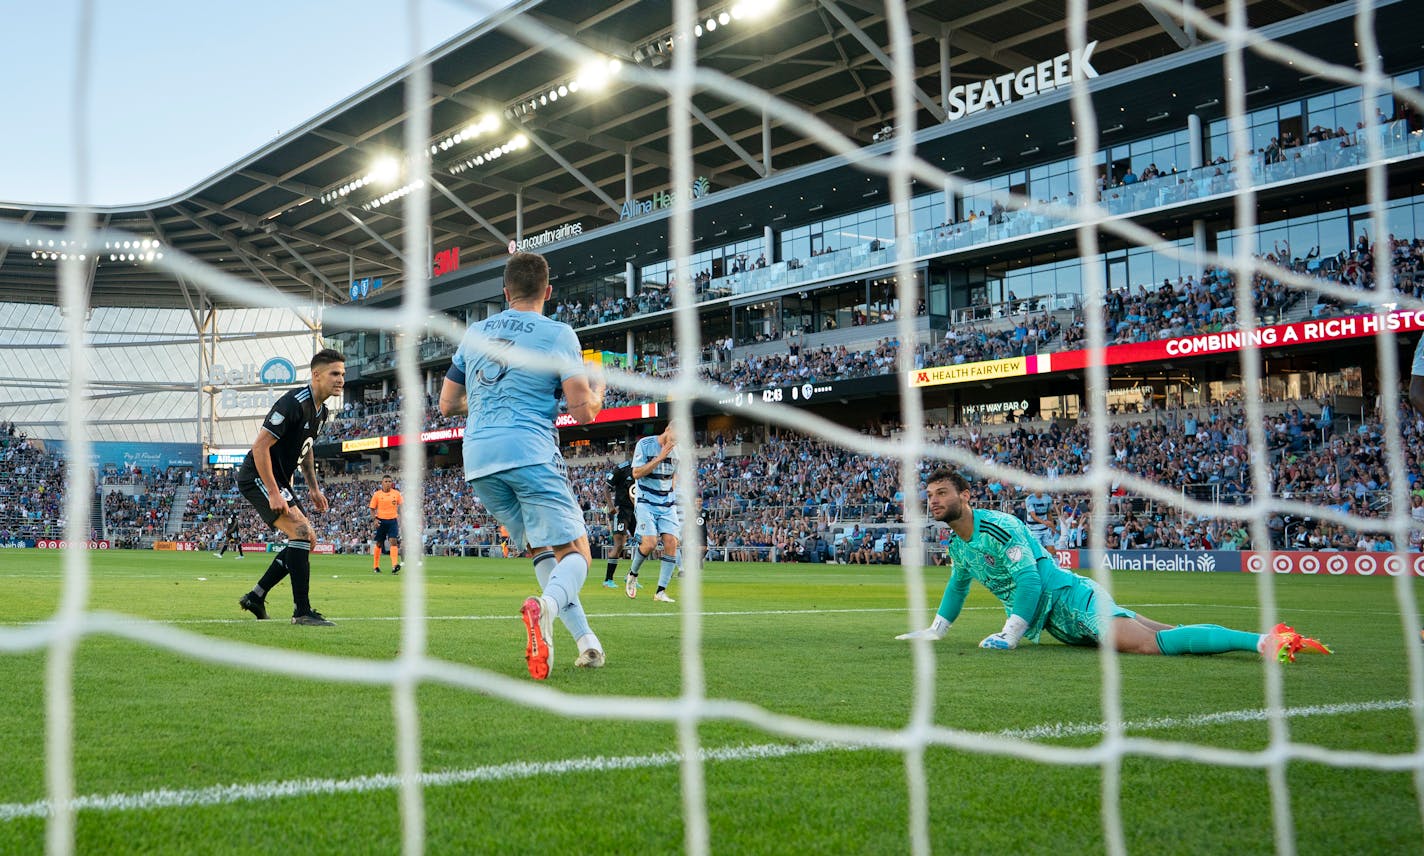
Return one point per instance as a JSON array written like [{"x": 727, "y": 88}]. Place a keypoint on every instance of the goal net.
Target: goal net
[{"x": 1095, "y": 216}]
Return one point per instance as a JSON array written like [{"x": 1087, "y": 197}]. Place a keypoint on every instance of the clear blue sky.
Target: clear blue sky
[{"x": 180, "y": 89}]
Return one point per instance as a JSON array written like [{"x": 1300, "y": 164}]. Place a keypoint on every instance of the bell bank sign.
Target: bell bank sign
[{"x": 969, "y": 98}]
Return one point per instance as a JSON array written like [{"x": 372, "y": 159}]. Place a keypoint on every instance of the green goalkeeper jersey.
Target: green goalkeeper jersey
[{"x": 1010, "y": 563}]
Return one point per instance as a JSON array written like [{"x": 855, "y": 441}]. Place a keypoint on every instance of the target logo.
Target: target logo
[
  {"x": 1254, "y": 563},
  {"x": 1281, "y": 563},
  {"x": 1419, "y": 566},
  {"x": 1337, "y": 564},
  {"x": 1393, "y": 566},
  {"x": 1365, "y": 566},
  {"x": 1310, "y": 564}
]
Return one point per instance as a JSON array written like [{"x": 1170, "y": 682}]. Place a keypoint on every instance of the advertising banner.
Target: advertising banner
[
  {"x": 1203, "y": 344},
  {"x": 1180, "y": 561},
  {"x": 130, "y": 455},
  {"x": 54, "y": 544},
  {"x": 179, "y": 546},
  {"x": 1312, "y": 563}
]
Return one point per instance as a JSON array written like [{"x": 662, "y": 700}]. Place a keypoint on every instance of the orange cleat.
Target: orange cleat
[
  {"x": 539, "y": 625},
  {"x": 1285, "y": 642}
]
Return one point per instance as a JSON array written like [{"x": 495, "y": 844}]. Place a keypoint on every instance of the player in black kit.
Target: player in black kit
[
  {"x": 622, "y": 487},
  {"x": 231, "y": 535},
  {"x": 265, "y": 479}
]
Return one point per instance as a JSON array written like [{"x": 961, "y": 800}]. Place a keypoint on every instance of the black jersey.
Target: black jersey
[
  {"x": 294, "y": 420},
  {"x": 233, "y": 519},
  {"x": 622, "y": 485}
]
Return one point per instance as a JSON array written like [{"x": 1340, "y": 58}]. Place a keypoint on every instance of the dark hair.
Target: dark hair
[
  {"x": 325, "y": 357},
  {"x": 942, "y": 474},
  {"x": 526, "y": 275}
]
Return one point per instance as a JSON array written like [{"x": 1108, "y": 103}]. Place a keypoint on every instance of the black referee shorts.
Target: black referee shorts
[
  {"x": 256, "y": 493},
  {"x": 387, "y": 529}
]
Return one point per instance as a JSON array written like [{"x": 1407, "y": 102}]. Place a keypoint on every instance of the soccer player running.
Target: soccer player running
[
  {"x": 265, "y": 480},
  {"x": 385, "y": 507},
  {"x": 512, "y": 459},
  {"x": 231, "y": 535},
  {"x": 655, "y": 469},
  {"x": 623, "y": 490},
  {"x": 997, "y": 550}
]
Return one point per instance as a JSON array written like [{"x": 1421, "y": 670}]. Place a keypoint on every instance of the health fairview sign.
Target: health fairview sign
[
  {"x": 1204, "y": 344},
  {"x": 1039, "y": 79},
  {"x": 629, "y": 413}
]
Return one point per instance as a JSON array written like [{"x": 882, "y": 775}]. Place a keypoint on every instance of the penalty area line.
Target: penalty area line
[{"x": 263, "y": 791}]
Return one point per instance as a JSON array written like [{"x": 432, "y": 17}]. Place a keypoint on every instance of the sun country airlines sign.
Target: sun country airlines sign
[{"x": 969, "y": 98}]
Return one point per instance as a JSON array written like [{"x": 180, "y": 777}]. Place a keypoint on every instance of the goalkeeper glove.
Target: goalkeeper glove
[
  {"x": 934, "y": 632},
  {"x": 1008, "y": 638}
]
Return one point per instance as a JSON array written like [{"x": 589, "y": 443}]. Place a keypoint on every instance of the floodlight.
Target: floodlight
[{"x": 385, "y": 170}]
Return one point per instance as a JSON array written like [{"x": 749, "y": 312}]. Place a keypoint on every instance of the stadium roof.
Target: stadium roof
[{"x": 264, "y": 219}]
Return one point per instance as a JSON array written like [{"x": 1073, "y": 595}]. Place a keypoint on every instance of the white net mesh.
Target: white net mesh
[{"x": 692, "y": 706}]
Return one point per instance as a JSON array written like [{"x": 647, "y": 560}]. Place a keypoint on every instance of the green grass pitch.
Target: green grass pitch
[{"x": 809, "y": 641}]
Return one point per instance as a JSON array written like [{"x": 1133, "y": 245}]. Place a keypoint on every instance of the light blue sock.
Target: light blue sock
[
  {"x": 572, "y": 614},
  {"x": 1205, "y": 639},
  {"x": 638, "y": 559},
  {"x": 665, "y": 573},
  {"x": 566, "y": 579}
]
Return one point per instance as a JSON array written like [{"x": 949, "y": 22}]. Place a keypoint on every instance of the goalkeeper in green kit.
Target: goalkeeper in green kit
[{"x": 997, "y": 550}]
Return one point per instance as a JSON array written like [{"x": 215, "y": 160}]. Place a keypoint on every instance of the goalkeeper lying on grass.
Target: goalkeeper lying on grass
[{"x": 997, "y": 550}]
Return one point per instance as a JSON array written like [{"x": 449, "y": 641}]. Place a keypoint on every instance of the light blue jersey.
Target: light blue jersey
[
  {"x": 655, "y": 488},
  {"x": 512, "y": 409}
]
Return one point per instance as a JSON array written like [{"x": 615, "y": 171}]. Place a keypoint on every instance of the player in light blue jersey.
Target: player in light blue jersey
[
  {"x": 512, "y": 458},
  {"x": 1038, "y": 514},
  {"x": 997, "y": 550},
  {"x": 655, "y": 469}
]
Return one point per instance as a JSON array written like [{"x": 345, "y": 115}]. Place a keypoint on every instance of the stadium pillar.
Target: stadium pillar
[
  {"x": 519, "y": 213},
  {"x": 1199, "y": 246},
  {"x": 1194, "y": 140},
  {"x": 768, "y": 240},
  {"x": 766, "y": 142},
  {"x": 628, "y": 181},
  {"x": 628, "y": 288},
  {"x": 944, "y": 71}
]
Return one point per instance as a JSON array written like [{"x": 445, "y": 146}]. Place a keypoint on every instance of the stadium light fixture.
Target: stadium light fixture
[{"x": 513, "y": 144}]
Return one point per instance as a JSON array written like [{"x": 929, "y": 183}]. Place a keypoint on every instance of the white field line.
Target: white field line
[
  {"x": 263, "y": 791},
  {"x": 674, "y": 613}
]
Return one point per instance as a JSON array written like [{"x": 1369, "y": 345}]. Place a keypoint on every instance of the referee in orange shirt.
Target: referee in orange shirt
[{"x": 385, "y": 505}]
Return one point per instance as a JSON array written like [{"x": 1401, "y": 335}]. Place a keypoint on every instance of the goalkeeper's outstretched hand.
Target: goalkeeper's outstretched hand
[
  {"x": 1008, "y": 638},
  {"x": 934, "y": 632},
  {"x": 999, "y": 642}
]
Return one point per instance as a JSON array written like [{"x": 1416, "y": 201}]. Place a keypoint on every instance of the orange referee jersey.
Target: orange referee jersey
[{"x": 386, "y": 503}]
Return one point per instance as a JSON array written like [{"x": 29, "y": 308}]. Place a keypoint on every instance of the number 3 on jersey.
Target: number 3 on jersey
[{"x": 492, "y": 369}]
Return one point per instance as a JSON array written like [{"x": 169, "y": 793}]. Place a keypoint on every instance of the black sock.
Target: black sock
[
  {"x": 239, "y": 548},
  {"x": 276, "y": 572},
  {"x": 612, "y": 566},
  {"x": 298, "y": 555}
]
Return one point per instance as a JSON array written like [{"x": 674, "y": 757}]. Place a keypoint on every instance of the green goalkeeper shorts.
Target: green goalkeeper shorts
[{"x": 1073, "y": 619}]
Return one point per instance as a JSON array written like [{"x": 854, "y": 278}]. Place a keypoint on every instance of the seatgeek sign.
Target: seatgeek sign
[
  {"x": 969, "y": 98},
  {"x": 1180, "y": 347}
]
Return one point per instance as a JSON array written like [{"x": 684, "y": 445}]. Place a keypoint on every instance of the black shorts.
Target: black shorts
[
  {"x": 256, "y": 493},
  {"x": 625, "y": 519},
  {"x": 387, "y": 529}
]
